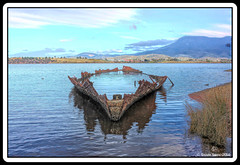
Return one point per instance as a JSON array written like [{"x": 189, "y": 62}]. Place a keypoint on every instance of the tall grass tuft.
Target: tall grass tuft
[{"x": 213, "y": 119}]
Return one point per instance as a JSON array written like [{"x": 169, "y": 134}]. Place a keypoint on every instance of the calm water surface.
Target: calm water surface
[{"x": 47, "y": 117}]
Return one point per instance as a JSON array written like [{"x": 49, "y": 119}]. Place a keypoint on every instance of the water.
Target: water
[{"x": 48, "y": 118}]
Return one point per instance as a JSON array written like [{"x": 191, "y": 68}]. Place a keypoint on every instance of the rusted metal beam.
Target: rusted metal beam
[
  {"x": 105, "y": 71},
  {"x": 129, "y": 69}
]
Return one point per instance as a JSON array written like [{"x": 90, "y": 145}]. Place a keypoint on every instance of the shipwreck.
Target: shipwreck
[{"x": 116, "y": 107}]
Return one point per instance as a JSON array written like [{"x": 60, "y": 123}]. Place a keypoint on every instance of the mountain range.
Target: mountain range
[
  {"x": 186, "y": 46},
  {"x": 196, "y": 47}
]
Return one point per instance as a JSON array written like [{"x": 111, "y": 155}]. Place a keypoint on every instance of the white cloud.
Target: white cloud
[
  {"x": 224, "y": 26},
  {"x": 18, "y": 22},
  {"x": 50, "y": 52},
  {"x": 208, "y": 33},
  {"x": 219, "y": 30},
  {"x": 89, "y": 18}
]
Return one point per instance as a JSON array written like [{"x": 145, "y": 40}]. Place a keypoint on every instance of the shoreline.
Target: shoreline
[
  {"x": 166, "y": 62},
  {"x": 48, "y": 60},
  {"x": 200, "y": 96}
]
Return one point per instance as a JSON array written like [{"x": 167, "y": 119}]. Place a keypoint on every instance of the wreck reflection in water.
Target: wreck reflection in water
[{"x": 140, "y": 113}]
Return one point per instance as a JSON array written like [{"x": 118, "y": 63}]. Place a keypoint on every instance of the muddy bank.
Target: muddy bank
[{"x": 225, "y": 89}]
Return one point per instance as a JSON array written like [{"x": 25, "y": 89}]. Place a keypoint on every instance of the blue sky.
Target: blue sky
[{"x": 70, "y": 31}]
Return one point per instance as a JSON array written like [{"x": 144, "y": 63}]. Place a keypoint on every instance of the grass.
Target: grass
[
  {"x": 229, "y": 70},
  {"x": 212, "y": 121}
]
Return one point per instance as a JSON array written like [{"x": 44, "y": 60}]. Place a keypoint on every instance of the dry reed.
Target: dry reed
[{"x": 213, "y": 120}]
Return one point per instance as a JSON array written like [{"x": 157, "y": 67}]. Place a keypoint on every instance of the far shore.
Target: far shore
[{"x": 48, "y": 60}]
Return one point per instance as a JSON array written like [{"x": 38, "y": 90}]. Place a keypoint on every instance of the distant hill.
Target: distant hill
[
  {"x": 187, "y": 46},
  {"x": 162, "y": 58},
  {"x": 196, "y": 47},
  {"x": 86, "y": 54},
  {"x": 140, "y": 57}
]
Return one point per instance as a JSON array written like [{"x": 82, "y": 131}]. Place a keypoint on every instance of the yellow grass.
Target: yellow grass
[
  {"x": 229, "y": 70},
  {"x": 213, "y": 120}
]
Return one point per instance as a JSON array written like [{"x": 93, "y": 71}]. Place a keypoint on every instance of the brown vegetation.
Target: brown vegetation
[
  {"x": 29, "y": 60},
  {"x": 48, "y": 60},
  {"x": 147, "y": 59},
  {"x": 74, "y": 60},
  {"x": 213, "y": 120},
  {"x": 229, "y": 70}
]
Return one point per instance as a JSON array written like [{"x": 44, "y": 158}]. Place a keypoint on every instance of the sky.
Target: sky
[{"x": 69, "y": 31}]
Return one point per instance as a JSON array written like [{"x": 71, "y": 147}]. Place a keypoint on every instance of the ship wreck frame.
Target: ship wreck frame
[{"x": 116, "y": 107}]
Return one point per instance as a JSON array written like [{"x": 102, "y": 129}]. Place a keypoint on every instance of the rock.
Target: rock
[{"x": 214, "y": 149}]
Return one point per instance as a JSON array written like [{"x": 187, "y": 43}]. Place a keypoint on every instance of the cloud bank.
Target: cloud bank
[
  {"x": 148, "y": 45},
  {"x": 85, "y": 17},
  {"x": 220, "y": 30},
  {"x": 47, "y": 52},
  {"x": 110, "y": 51}
]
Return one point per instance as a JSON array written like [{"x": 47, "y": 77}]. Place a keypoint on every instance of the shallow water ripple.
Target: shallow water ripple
[{"x": 47, "y": 117}]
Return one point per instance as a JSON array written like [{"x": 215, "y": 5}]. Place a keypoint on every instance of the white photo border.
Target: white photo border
[{"x": 120, "y": 5}]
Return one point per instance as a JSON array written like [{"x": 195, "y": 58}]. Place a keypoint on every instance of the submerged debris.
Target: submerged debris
[{"x": 116, "y": 107}]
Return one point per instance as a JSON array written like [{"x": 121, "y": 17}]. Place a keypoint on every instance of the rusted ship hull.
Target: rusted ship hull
[{"x": 116, "y": 107}]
